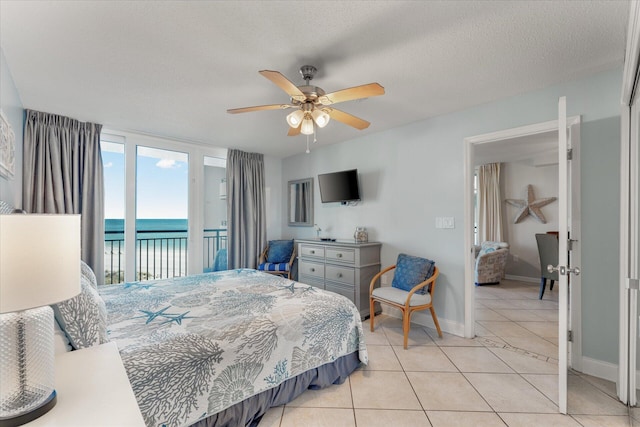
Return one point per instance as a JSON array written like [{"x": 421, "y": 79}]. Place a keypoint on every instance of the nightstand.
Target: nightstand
[{"x": 93, "y": 390}]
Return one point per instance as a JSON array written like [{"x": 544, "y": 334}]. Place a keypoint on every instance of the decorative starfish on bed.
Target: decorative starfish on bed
[
  {"x": 531, "y": 206},
  {"x": 178, "y": 318},
  {"x": 151, "y": 315}
]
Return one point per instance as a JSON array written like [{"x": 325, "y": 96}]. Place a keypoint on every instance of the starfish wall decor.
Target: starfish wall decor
[{"x": 531, "y": 206}]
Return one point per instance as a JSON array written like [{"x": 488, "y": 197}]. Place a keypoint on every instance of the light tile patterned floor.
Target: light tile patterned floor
[{"x": 506, "y": 376}]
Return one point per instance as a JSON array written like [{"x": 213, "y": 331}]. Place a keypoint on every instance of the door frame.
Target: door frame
[{"x": 629, "y": 213}]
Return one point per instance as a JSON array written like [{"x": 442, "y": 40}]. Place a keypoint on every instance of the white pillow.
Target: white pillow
[{"x": 88, "y": 274}]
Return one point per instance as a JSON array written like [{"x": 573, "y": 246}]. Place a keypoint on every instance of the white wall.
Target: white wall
[
  {"x": 523, "y": 250},
  {"x": 11, "y": 105},
  {"x": 411, "y": 174}
]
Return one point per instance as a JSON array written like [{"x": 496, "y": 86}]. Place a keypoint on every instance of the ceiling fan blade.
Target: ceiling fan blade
[
  {"x": 260, "y": 108},
  {"x": 347, "y": 118},
  {"x": 358, "y": 92},
  {"x": 285, "y": 84},
  {"x": 294, "y": 131}
]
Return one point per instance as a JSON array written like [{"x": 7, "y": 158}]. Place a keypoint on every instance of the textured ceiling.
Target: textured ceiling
[{"x": 173, "y": 68}]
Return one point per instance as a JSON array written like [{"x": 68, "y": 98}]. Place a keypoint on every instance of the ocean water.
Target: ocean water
[
  {"x": 151, "y": 228},
  {"x": 161, "y": 247}
]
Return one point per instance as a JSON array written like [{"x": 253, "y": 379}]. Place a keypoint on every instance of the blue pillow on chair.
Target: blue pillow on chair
[
  {"x": 411, "y": 270},
  {"x": 279, "y": 251}
]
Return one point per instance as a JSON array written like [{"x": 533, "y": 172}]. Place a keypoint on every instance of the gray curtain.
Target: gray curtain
[
  {"x": 63, "y": 174},
  {"x": 247, "y": 231}
]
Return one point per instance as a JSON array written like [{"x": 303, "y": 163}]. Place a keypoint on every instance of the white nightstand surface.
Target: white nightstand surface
[{"x": 93, "y": 390}]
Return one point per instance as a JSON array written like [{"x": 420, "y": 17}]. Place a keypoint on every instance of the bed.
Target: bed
[{"x": 219, "y": 349}]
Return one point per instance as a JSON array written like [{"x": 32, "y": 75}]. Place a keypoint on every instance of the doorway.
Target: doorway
[{"x": 515, "y": 140}]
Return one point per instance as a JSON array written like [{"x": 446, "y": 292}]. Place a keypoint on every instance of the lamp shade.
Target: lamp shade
[
  {"x": 295, "y": 118},
  {"x": 39, "y": 260},
  {"x": 320, "y": 117},
  {"x": 307, "y": 126}
]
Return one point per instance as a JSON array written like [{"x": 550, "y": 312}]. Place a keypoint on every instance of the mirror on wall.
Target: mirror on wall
[{"x": 300, "y": 212}]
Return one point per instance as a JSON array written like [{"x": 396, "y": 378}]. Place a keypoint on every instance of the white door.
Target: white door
[{"x": 565, "y": 239}]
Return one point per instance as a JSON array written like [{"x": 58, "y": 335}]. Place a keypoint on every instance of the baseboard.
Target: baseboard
[
  {"x": 424, "y": 319},
  {"x": 522, "y": 278},
  {"x": 600, "y": 369}
]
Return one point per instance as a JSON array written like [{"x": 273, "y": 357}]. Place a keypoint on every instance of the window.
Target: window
[{"x": 157, "y": 221}]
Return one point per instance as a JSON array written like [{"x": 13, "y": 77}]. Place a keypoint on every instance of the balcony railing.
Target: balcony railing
[{"x": 159, "y": 253}]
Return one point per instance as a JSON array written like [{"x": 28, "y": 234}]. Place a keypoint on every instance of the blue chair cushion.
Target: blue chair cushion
[
  {"x": 279, "y": 251},
  {"x": 267, "y": 266},
  {"x": 411, "y": 270}
]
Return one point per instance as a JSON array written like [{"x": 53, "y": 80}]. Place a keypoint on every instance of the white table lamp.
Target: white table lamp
[{"x": 39, "y": 265}]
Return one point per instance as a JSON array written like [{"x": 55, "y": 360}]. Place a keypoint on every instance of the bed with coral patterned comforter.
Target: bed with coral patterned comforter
[{"x": 194, "y": 346}]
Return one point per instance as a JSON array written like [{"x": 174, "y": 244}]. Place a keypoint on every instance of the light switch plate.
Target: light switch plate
[
  {"x": 439, "y": 222},
  {"x": 448, "y": 222}
]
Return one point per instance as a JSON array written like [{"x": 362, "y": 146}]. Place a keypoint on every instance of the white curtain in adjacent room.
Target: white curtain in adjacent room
[
  {"x": 247, "y": 231},
  {"x": 490, "y": 222},
  {"x": 63, "y": 175}
]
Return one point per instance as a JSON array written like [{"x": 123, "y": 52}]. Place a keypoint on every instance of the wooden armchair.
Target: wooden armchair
[
  {"x": 282, "y": 265},
  {"x": 406, "y": 301}
]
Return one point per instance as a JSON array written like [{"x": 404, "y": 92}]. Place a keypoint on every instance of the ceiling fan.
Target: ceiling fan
[{"x": 312, "y": 104}]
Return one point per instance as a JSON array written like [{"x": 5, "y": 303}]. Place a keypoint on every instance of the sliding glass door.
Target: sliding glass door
[
  {"x": 165, "y": 207},
  {"x": 215, "y": 214},
  {"x": 162, "y": 185}
]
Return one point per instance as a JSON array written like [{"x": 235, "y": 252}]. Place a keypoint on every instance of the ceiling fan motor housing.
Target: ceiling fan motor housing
[{"x": 308, "y": 71}]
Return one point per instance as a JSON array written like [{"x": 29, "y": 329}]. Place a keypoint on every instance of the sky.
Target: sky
[{"x": 162, "y": 184}]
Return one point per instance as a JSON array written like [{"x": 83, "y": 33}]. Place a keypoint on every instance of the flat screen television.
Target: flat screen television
[{"x": 339, "y": 186}]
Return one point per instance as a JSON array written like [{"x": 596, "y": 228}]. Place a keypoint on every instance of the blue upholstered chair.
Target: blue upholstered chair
[
  {"x": 220, "y": 261},
  {"x": 278, "y": 257},
  {"x": 411, "y": 290}
]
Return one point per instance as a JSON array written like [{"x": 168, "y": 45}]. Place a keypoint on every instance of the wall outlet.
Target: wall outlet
[
  {"x": 384, "y": 280},
  {"x": 516, "y": 258},
  {"x": 439, "y": 222},
  {"x": 448, "y": 222}
]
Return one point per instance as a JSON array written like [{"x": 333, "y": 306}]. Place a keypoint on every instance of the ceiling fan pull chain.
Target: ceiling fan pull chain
[{"x": 308, "y": 151}]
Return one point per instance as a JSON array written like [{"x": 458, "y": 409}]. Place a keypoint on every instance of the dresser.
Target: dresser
[{"x": 343, "y": 267}]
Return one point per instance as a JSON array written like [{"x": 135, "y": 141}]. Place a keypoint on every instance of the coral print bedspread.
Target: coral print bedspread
[{"x": 193, "y": 346}]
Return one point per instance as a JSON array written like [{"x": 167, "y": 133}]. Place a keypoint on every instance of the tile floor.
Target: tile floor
[{"x": 506, "y": 376}]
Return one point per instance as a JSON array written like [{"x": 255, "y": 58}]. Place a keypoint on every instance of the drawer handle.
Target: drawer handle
[
  {"x": 339, "y": 274},
  {"x": 313, "y": 269},
  {"x": 339, "y": 255},
  {"x": 313, "y": 252}
]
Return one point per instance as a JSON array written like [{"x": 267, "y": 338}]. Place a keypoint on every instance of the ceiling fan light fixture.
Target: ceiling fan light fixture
[
  {"x": 295, "y": 118},
  {"x": 307, "y": 126},
  {"x": 320, "y": 117}
]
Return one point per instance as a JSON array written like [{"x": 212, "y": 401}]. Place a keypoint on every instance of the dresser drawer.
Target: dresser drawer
[
  {"x": 313, "y": 269},
  {"x": 312, "y": 251},
  {"x": 342, "y": 255},
  {"x": 347, "y": 291},
  {"x": 336, "y": 273},
  {"x": 312, "y": 280}
]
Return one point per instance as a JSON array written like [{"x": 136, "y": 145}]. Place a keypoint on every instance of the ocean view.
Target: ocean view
[
  {"x": 114, "y": 226},
  {"x": 161, "y": 248}
]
